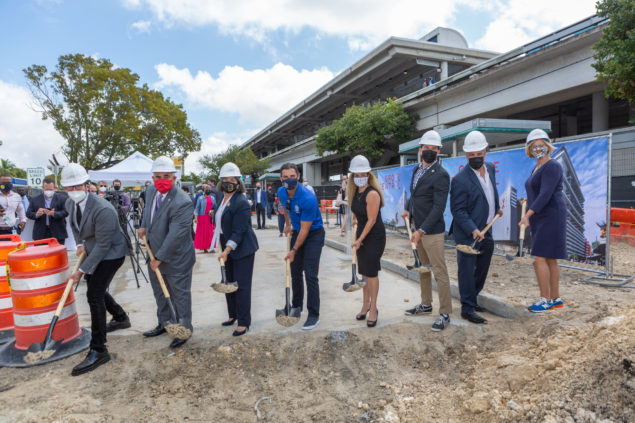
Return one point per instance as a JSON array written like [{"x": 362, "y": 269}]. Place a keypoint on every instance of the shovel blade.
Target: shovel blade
[{"x": 290, "y": 319}]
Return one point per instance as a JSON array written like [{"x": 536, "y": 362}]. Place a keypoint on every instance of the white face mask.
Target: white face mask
[
  {"x": 48, "y": 194},
  {"x": 361, "y": 182},
  {"x": 77, "y": 196},
  {"x": 102, "y": 189},
  {"x": 540, "y": 152}
]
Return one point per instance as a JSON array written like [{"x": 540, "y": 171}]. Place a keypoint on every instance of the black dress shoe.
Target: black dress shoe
[
  {"x": 474, "y": 318},
  {"x": 228, "y": 322},
  {"x": 240, "y": 332},
  {"x": 114, "y": 325},
  {"x": 93, "y": 360},
  {"x": 177, "y": 343},
  {"x": 480, "y": 309},
  {"x": 159, "y": 330}
]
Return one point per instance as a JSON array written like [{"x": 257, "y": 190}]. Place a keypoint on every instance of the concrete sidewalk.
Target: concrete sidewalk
[{"x": 338, "y": 308}]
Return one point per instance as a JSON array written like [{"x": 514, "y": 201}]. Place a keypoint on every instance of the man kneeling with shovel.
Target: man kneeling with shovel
[
  {"x": 167, "y": 228},
  {"x": 96, "y": 229}
]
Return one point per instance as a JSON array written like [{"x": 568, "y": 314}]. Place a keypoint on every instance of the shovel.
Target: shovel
[
  {"x": 470, "y": 249},
  {"x": 42, "y": 351},
  {"x": 223, "y": 286},
  {"x": 417, "y": 267},
  {"x": 288, "y": 316},
  {"x": 355, "y": 282},
  {"x": 521, "y": 236},
  {"x": 175, "y": 330}
]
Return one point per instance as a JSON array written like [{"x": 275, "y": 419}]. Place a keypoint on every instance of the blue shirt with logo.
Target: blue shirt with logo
[{"x": 303, "y": 207}]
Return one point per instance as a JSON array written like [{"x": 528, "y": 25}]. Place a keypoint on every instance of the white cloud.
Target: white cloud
[
  {"x": 364, "y": 23},
  {"x": 258, "y": 96},
  {"x": 142, "y": 26},
  {"x": 518, "y": 22},
  {"x": 27, "y": 140},
  {"x": 215, "y": 143}
]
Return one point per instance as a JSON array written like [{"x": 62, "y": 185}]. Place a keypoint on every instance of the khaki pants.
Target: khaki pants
[{"x": 431, "y": 251}]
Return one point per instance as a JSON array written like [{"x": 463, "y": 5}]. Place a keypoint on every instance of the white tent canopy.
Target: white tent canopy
[{"x": 132, "y": 171}]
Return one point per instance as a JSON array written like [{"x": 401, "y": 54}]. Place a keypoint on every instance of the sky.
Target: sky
[{"x": 235, "y": 65}]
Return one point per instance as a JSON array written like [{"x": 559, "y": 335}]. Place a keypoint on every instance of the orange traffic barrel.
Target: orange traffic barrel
[
  {"x": 8, "y": 243},
  {"x": 38, "y": 272}
]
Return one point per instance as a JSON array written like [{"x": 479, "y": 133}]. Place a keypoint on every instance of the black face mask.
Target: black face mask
[
  {"x": 117, "y": 187},
  {"x": 429, "y": 156},
  {"x": 228, "y": 187},
  {"x": 476, "y": 162},
  {"x": 208, "y": 191}
]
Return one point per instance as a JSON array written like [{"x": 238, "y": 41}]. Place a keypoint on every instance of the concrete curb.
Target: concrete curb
[{"x": 492, "y": 303}]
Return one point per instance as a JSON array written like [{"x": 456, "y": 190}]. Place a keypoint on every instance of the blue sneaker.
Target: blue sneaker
[
  {"x": 557, "y": 303},
  {"x": 540, "y": 306},
  {"x": 311, "y": 323}
]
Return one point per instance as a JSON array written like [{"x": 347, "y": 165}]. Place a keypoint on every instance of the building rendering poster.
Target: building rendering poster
[{"x": 585, "y": 166}]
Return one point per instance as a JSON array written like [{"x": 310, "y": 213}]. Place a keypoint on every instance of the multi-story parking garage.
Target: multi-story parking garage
[{"x": 547, "y": 83}]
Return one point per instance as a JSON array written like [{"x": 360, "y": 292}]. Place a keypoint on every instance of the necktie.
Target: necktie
[
  {"x": 159, "y": 201},
  {"x": 78, "y": 215}
]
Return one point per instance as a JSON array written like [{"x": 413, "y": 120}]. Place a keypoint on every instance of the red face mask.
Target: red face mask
[{"x": 163, "y": 185}]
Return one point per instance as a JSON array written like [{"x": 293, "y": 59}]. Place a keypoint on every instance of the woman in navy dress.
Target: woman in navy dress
[{"x": 546, "y": 218}]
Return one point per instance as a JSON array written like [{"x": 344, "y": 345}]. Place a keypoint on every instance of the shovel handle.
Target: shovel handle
[
  {"x": 412, "y": 244},
  {"x": 523, "y": 212},
  {"x": 69, "y": 286},
  {"x": 489, "y": 225},
  {"x": 166, "y": 294},
  {"x": 354, "y": 256},
  {"x": 288, "y": 263}
]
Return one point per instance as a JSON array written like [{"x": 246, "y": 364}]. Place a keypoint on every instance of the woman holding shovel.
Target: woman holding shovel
[
  {"x": 365, "y": 199},
  {"x": 238, "y": 244},
  {"x": 547, "y": 219}
]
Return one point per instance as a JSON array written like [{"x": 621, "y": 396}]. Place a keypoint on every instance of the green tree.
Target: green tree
[
  {"x": 192, "y": 177},
  {"x": 103, "y": 114},
  {"x": 615, "y": 50},
  {"x": 366, "y": 129},
  {"x": 245, "y": 159},
  {"x": 9, "y": 168}
]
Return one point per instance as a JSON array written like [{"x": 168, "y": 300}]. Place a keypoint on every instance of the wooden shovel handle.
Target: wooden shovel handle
[
  {"x": 288, "y": 263},
  {"x": 69, "y": 286},
  {"x": 354, "y": 259},
  {"x": 489, "y": 225},
  {"x": 222, "y": 262},
  {"x": 166, "y": 294},
  {"x": 522, "y": 214},
  {"x": 412, "y": 244}
]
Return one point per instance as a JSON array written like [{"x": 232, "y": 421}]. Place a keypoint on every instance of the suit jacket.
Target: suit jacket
[
  {"x": 469, "y": 205},
  {"x": 236, "y": 226},
  {"x": 170, "y": 232},
  {"x": 263, "y": 197},
  {"x": 428, "y": 199},
  {"x": 99, "y": 231},
  {"x": 57, "y": 222}
]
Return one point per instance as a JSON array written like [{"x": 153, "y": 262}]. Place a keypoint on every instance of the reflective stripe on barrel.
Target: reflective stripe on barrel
[
  {"x": 5, "y": 303},
  {"x": 29, "y": 320},
  {"x": 29, "y": 284}
]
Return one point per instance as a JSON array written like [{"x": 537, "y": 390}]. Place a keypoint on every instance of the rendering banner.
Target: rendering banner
[{"x": 585, "y": 166}]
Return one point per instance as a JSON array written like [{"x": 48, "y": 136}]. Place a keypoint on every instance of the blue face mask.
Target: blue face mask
[
  {"x": 290, "y": 183},
  {"x": 6, "y": 187}
]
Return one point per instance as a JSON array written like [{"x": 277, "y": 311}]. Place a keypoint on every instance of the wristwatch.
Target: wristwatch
[{"x": 294, "y": 250}]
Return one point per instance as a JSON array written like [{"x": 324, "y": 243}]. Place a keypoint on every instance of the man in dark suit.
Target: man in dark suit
[
  {"x": 474, "y": 203},
  {"x": 428, "y": 197},
  {"x": 97, "y": 232},
  {"x": 261, "y": 205},
  {"x": 167, "y": 226},
  {"x": 48, "y": 212}
]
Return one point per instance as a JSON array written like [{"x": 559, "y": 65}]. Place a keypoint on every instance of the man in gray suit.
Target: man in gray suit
[
  {"x": 96, "y": 229},
  {"x": 167, "y": 226}
]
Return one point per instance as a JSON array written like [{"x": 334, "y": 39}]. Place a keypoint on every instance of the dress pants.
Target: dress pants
[
  {"x": 260, "y": 213},
  {"x": 473, "y": 270},
  {"x": 179, "y": 286},
  {"x": 49, "y": 234},
  {"x": 100, "y": 301},
  {"x": 281, "y": 222},
  {"x": 307, "y": 260},
  {"x": 431, "y": 250},
  {"x": 239, "y": 302}
]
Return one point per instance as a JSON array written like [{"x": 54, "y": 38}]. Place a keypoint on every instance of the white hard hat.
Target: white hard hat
[
  {"x": 163, "y": 164},
  {"x": 474, "y": 141},
  {"x": 228, "y": 170},
  {"x": 431, "y": 138},
  {"x": 73, "y": 174},
  {"x": 537, "y": 134},
  {"x": 359, "y": 164}
]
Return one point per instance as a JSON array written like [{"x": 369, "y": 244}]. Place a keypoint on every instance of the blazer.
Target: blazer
[
  {"x": 263, "y": 197},
  {"x": 429, "y": 198},
  {"x": 201, "y": 204},
  {"x": 236, "y": 226},
  {"x": 57, "y": 222},
  {"x": 99, "y": 232},
  {"x": 469, "y": 205},
  {"x": 169, "y": 234}
]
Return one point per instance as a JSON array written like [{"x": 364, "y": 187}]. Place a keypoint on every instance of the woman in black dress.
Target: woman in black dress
[
  {"x": 365, "y": 200},
  {"x": 546, "y": 218}
]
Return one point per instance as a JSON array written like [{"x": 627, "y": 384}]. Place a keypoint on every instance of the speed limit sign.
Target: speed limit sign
[{"x": 35, "y": 176}]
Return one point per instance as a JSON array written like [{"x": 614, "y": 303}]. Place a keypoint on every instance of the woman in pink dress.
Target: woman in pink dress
[{"x": 204, "y": 225}]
